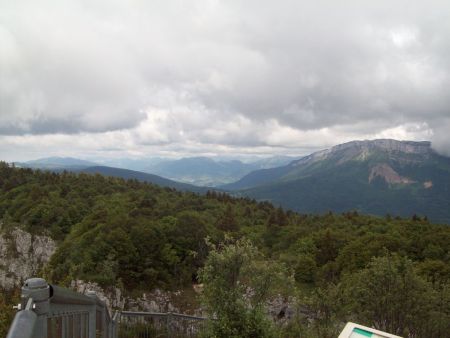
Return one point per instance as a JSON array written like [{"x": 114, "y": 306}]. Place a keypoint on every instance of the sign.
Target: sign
[{"x": 352, "y": 330}]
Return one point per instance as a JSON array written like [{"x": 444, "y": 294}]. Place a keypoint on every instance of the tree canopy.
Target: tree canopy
[{"x": 123, "y": 232}]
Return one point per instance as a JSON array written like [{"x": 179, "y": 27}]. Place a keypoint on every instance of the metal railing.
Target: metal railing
[
  {"x": 150, "y": 324},
  {"x": 48, "y": 311}
]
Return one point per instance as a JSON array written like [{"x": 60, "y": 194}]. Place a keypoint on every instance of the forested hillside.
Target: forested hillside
[
  {"x": 142, "y": 177},
  {"x": 377, "y": 177},
  {"x": 127, "y": 233}
]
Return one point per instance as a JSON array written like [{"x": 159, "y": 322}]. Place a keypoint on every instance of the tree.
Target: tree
[
  {"x": 228, "y": 220},
  {"x": 390, "y": 296},
  {"x": 237, "y": 283},
  {"x": 325, "y": 306}
]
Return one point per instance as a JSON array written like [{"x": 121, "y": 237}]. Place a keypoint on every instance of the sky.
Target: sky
[{"x": 172, "y": 78}]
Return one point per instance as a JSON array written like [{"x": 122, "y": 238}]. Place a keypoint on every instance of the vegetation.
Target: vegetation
[
  {"x": 391, "y": 273},
  {"x": 7, "y": 299},
  {"x": 365, "y": 178},
  {"x": 387, "y": 294},
  {"x": 237, "y": 283}
]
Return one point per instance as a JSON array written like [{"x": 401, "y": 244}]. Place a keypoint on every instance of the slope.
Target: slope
[
  {"x": 377, "y": 177},
  {"x": 51, "y": 163},
  {"x": 143, "y": 177}
]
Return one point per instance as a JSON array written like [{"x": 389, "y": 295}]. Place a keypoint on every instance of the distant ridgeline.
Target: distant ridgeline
[
  {"x": 60, "y": 164},
  {"x": 124, "y": 232},
  {"x": 379, "y": 177}
]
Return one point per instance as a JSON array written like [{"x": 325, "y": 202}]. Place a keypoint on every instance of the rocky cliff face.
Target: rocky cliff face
[
  {"x": 154, "y": 301},
  {"x": 22, "y": 255},
  {"x": 388, "y": 174},
  {"x": 361, "y": 150},
  {"x": 279, "y": 308},
  {"x": 389, "y": 145}
]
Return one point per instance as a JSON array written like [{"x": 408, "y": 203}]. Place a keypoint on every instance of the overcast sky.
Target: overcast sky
[{"x": 137, "y": 78}]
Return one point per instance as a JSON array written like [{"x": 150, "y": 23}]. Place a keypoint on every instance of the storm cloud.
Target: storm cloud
[{"x": 209, "y": 76}]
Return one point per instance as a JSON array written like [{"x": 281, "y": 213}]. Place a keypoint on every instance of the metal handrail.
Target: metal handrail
[
  {"x": 155, "y": 324},
  {"x": 66, "y": 296},
  {"x": 24, "y": 322},
  {"x": 51, "y": 311},
  {"x": 160, "y": 314}
]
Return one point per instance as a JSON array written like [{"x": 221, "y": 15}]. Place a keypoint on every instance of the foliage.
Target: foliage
[
  {"x": 388, "y": 294},
  {"x": 123, "y": 232},
  {"x": 237, "y": 283},
  {"x": 8, "y": 298}
]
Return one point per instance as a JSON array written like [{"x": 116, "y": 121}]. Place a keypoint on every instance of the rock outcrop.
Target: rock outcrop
[
  {"x": 154, "y": 301},
  {"x": 22, "y": 255},
  {"x": 386, "y": 172}
]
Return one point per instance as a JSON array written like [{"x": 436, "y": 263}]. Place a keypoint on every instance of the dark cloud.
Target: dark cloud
[{"x": 233, "y": 73}]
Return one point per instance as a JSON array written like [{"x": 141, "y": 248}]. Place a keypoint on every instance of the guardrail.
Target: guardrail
[
  {"x": 151, "y": 324},
  {"x": 49, "y": 311}
]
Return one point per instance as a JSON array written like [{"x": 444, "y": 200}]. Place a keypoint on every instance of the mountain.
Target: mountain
[
  {"x": 377, "y": 177},
  {"x": 142, "y": 177},
  {"x": 273, "y": 162},
  {"x": 139, "y": 164},
  {"x": 206, "y": 171},
  {"x": 56, "y": 163},
  {"x": 198, "y": 171}
]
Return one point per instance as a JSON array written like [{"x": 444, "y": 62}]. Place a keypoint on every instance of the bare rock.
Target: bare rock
[{"x": 22, "y": 255}]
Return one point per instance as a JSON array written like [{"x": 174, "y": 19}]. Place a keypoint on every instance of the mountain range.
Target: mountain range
[
  {"x": 59, "y": 164},
  {"x": 200, "y": 171},
  {"x": 376, "y": 177},
  {"x": 56, "y": 163}
]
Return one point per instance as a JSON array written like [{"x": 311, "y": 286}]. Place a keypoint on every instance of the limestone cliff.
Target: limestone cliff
[{"x": 22, "y": 255}]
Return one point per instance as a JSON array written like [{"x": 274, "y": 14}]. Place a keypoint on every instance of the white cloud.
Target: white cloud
[{"x": 403, "y": 37}]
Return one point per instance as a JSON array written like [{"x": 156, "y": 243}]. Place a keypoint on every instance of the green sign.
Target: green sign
[{"x": 362, "y": 332}]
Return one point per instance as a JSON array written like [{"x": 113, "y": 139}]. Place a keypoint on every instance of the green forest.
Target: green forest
[{"x": 389, "y": 272}]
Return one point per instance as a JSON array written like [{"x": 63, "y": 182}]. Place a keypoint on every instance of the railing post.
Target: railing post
[
  {"x": 169, "y": 323},
  {"x": 104, "y": 326},
  {"x": 115, "y": 324},
  {"x": 39, "y": 291},
  {"x": 23, "y": 323},
  {"x": 92, "y": 315}
]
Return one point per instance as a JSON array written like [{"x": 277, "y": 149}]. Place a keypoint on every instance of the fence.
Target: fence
[
  {"x": 148, "y": 324},
  {"x": 49, "y": 311}
]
